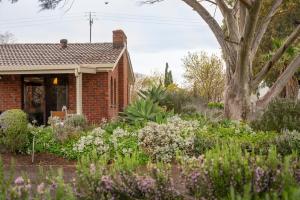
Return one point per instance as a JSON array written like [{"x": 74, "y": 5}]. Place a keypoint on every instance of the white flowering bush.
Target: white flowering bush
[
  {"x": 124, "y": 142},
  {"x": 69, "y": 128},
  {"x": 93, "y": 140},
  {"x": 162, "y": 141}
]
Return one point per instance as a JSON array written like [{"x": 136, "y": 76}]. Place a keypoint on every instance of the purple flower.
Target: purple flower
[
  {"x": 19, "y": 180},
  {"x": 41, "y": 188},
  {"x": 107, "y": 183},
  {"x": 146, "y": 184},
  {"x": 259, "y": 179}
]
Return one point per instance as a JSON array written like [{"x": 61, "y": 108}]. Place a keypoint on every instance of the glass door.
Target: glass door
[
  {"x": 34, "y": 98},
  {"x": 56, "y": 93}
]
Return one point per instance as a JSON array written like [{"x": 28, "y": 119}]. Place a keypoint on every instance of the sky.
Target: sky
[{"x": 159, "y": 33}]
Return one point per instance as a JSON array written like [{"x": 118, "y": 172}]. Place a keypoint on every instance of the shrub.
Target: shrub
[
  {"x": 14, "y": 130},
  {"x": 123, "y": 142},
  {"x": 162, "y": 141},
  {"x": 287, "y": 142},
  {"x": 76, "y": 122},
  {"x": 95, "y": 139},
  {"x": 96, "y": 181},
  {"x": 157, "y": 94},
  {"x": 155, "y": 184},
  {"x": 177, "y": 99},
  {"x": 142, "y": 111},
  {"x": 213, "y": 175},
  {"x": 280, "y": 114},
  {"x": 64, "y": 130},
  {"x": 225, "y": 132},
  {"x": 215, "y": 105}
]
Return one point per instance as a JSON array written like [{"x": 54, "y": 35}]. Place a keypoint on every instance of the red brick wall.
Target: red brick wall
[
  {"x": 10, "y": 92},
  {"x": 95, "y": 96},
  {"x": 113, "y": 108},
  {"x": 123, "y": 83},
  {"x": 72, "y": 93}
]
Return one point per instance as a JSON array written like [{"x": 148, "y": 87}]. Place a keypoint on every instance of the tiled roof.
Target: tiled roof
[{"x": 53, "y": 54}]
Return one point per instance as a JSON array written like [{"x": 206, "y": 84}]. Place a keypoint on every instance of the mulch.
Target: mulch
[{"x": 43, "y": 161}]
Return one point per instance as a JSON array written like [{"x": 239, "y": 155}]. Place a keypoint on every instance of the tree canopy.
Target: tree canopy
[{"x": 206, "y": 75}]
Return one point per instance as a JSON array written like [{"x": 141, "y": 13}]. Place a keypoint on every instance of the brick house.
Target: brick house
[{"x": 93, "y": 79}]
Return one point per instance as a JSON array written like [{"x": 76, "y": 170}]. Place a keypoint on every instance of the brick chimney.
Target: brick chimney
[
  {"x": 63, "y": 43},
  {"x": 119, "y": 39}
]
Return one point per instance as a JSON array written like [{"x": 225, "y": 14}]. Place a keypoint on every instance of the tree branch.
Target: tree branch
[
  {"x": 243, "y": 67},
  {"x": 230, "y": 21},
  {"x": 247, "y": 3},
  {"x": 215, "y": 27},
  {"x": 264, "y": 26},
  {"x": 268, "y": 66},
  {"x": 280, "y": 83}
]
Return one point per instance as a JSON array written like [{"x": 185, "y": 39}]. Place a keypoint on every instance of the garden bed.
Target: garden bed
[{"x": 43, "y": 161}]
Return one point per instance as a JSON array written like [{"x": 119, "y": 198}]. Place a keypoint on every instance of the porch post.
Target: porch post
[{"x": 78, "y": 75}]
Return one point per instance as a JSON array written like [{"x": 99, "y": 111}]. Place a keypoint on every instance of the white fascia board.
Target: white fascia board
[{"x": 55, "y": 69}]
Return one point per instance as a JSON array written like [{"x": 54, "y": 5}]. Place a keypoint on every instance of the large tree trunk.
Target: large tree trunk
[
  {"x": 292, "y": 88},
  {"x": 237, "y": 100}
]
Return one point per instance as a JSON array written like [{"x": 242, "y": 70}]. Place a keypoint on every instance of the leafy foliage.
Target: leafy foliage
[
  {"x": 280, "y": 27},
  {"x": 224, "y": 168},
  {"x": 215, "y": 105},
  {"x": 280, "y": 114},
  {"x": 157, "y": 94},
  {"x": 142, "y": 111},
  {"x": 14, "y": 134},
  {"x": 205, "y": 75},
  {"x": 69, "y": 128},
  {"x": 162, "y": 141},
  {"x": 76, "y": 122}
]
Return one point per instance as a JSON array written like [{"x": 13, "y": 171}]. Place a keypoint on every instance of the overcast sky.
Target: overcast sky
[{"x": 157, "y": 34}]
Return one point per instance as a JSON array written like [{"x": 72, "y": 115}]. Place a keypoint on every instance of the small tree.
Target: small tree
[
  {"x": 6, "y": 38},
  {"x": 168, "y": 76},
  {"x": 206, "y": 75}
]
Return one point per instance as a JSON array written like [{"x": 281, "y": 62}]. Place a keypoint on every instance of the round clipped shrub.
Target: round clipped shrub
[{"x": 14, "y": 134}]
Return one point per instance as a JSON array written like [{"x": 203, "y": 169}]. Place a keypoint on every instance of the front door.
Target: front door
[
  {"x": 34, "y": 98},
  {"x": 43, "y": 94}
]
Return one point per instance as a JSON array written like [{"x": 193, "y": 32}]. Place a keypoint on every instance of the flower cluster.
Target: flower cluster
[
  {"x": 123, "y": 141},
  {"x": 21, "y": 188},
  {"x": 94, "y": 139},
  {"x": 146, "y": 184},
  {"x": 162, "y": 141}
]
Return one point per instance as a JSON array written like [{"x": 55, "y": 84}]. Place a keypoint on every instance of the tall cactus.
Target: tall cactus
[{"x": 168, "y": 76}]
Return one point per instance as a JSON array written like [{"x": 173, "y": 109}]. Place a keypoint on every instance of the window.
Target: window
[
  {"x": 111, "y": 91},
  {"x": 115, "y": 91}
]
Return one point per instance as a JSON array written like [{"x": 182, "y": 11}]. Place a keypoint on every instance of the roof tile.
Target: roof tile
[{"x": 53, "y": 54}]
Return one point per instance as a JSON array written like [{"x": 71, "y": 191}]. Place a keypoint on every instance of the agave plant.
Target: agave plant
[
  {"x": 143, "y": 110},
  {"x": 157, "y": 94}
]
